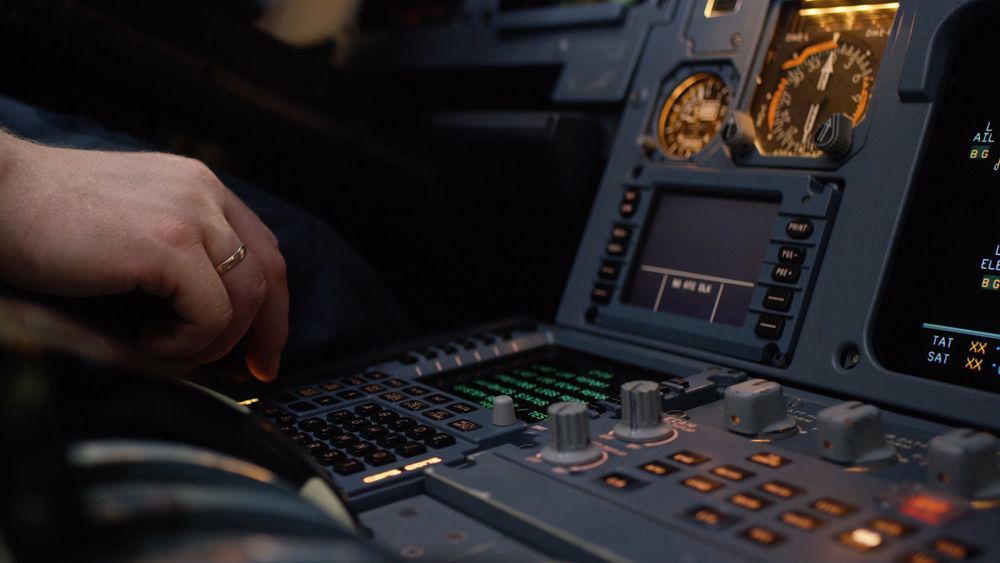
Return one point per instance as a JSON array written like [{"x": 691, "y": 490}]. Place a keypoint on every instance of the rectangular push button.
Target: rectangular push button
[
  {"x": 732, "y": 473},
  {"x": 769, "y": 327},
  {"x": 610, "y": 270},
  {"x": 601, "y": 294},
  {"x": 891, "y": 527},
  {"x": 658, "y": 468},
  {"x": 701, "y": 484},
  {"x": 861, "y": 539},
  {"x": 621, "y": 481},
  {"x": 778, "y": 299},
  {"x": 792, "y": 254},
  {"x": 786, "y": 274},
  {"x": 689, "y": 458},
  {"x": 710, "y": 517},
  {"x": 769, "y": 459},
  {"x": 749, "y": 501},
  {"x": 950, "y": 547},
  {"x": 780, "y": 489},
  {"x": 801, "y": 520},
  {"x": 833, "y": 507},
  {"x": 762, "y": 536}
]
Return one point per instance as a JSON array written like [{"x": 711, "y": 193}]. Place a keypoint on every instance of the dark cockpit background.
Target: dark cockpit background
[{"x": 466, "y": 190}]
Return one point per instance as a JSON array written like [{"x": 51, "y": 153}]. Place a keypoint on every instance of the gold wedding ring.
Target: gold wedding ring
[{"x": 232, "y": 261}]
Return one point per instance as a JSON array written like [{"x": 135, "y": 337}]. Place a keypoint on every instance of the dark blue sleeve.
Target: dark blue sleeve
[{"x": 338, "y": 305}]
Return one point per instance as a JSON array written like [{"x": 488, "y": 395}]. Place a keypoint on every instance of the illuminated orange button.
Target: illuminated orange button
[
  {"x": 710, "y": 517},
  {"x": 891, "y": 527},
  {"x": 732, "y": 473},
  {"x": 861, "y": 539},
  {"x": 688, "y": 458},
  {"x": 701, "y": 484},
  {"x": 833, "y": 507},
  {"x": 950, "y": 547},
  {"x": 657, "y": 468},
  {"x": 762, "y": 536},
  {"x": 929, "y": 509},
  {"x": 801, "y": 520},
  {"x": 621, "y": 481},
  {"x": 768, "y": 459},
  {"x": 749, "y": 501},
  {"x": 780, "y": 489}
]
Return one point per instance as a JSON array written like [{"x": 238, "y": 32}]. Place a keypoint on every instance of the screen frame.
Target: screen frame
[{"x": 798, "y": 196}]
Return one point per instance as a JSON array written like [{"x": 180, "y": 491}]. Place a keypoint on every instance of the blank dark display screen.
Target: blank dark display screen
[{"x": 701, "y": 256}]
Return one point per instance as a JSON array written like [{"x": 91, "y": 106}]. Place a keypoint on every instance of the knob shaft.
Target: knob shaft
[
  {"x": 851, "y": 433},
  {"x": 642, "y": 413},
  {"x": 756, "y": 407},
  {"x": 964, "y": 463},
  {"x": 738, "y": 132},
  {"x": 569, "y": 436},
  {"x": 835, "y": 136}
]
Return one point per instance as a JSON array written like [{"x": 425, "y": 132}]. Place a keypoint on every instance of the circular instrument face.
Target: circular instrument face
[
  {"x": 822, "y": 62},
  {"x": 829, "y": 77},
  {"x": 692, "y": 115}
]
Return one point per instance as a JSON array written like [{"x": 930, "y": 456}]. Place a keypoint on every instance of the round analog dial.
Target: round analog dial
[
  {"x": 825, "y": 78},
  {"x": 692, "y": 115}
]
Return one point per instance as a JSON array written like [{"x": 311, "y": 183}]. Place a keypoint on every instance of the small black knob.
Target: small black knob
[
  {"x": 738, "y": 133},
  {"x": 835, "y": 136}
]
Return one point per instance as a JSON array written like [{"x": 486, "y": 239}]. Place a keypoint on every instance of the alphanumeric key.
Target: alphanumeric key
[
  {"x": 343, "y": 440},
  {"x": 330, "y": 457},
  {"x": 439, "y": 441},
  {"x": 348, "y": 466},
  {"x": 367, "y": 409},
  {"x": 390, "y": 440},
  {"x": 355, "y": 424},
  {"x": 312, "y": 424},
  {"x": 380, "y": 457},
  {"x": 286, "y": 418},
  {"x": 384, "y": 417},
  {"x": 402, "y": 423},
  {"x": 300, "y": 438},
  {"x": 410, "y": 449},
  {"x": 420, "y": 432},
  {"x": 288, "y": 429},
  {"x": 328, "y": 432},
  {"x": 361, "y": 449},
  {"x": 316, "y": 448},
  {"x": 373, "y": 432},
  {"x": 342, "y": 415}
]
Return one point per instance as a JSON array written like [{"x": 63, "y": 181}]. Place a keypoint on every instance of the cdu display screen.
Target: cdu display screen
[
  {"x": 539, "y": 378},
  {"x": 701, "y": 256}
]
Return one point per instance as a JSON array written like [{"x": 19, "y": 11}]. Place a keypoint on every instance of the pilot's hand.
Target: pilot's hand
[{"x": 89, "y": 223}]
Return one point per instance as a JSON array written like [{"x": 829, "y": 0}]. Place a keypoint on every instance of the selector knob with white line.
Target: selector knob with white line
[
  {"x": 569, "y": 436},
  {"x": 642, "y": 413}
]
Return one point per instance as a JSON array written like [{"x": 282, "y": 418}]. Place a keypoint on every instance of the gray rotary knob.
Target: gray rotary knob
[
  {"x": 756, "y": 407},
  {"x": 503, "y": 411},
  {"x": 964, "y": 463},
  {"x": 835, "y": 136},
  {"x": 569, "y": 436},
  {"x": 642, "y": 413},
  {"x": 738, "y": 132},
  {"x": 851, "y": 433}
]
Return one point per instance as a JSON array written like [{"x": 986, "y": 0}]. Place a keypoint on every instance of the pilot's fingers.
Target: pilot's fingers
[
  {"x": 244, "y": 282},
  {"x": 269, "y": 331},
  {"x": 200, "y": 301}
]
